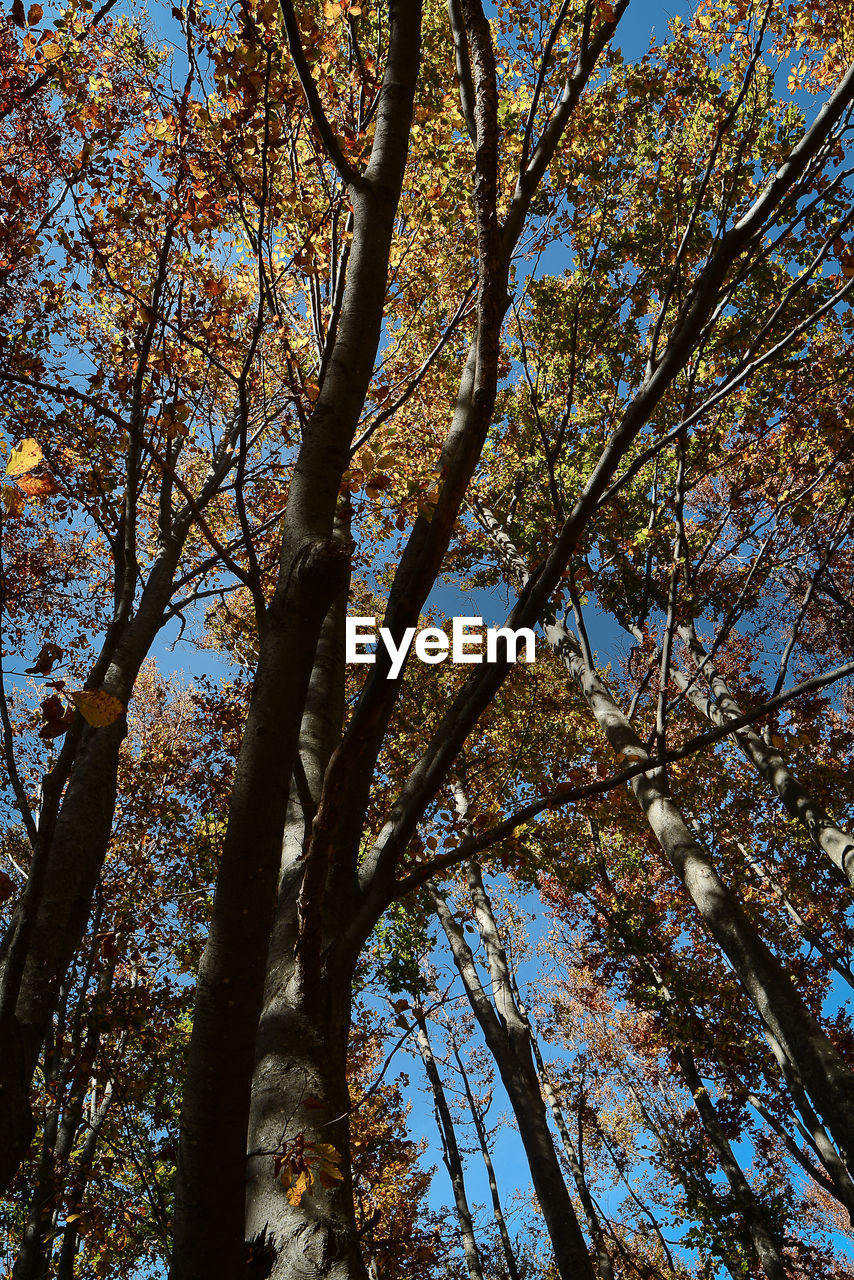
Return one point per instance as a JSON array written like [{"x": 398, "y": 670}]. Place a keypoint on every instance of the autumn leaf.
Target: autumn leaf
[
  {"x": 7, "y": 887},
  {"x": 48, "y": 655},
  {"x": 35, "y": 14},
  {"x": 298, "y": 1188},
  {"x": 14, "y": 500},
  {"x": 57, "y": 718},
  {"x": 23, "y": 457},
  {"x": 38, "y": 486},
  {"x": 18, "y": 16},
  {"x": 328, "y": 1159},
  {"x": 97, "y": 707}
]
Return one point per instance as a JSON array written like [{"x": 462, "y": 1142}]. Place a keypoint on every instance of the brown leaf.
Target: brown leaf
[
  {"x": 35, "y": 14},
  {"x": 7, "y": 887},
  {"x": 18, "y": 16},
  {"x": 97, "y": 707},
  {"x": 109, "y": 950},
  {"x": 57, "y": 718},
  {"x": 49, "y": 654}
]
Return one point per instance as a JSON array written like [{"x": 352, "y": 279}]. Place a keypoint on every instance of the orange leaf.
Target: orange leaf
[{"x": 38, "y": 486}]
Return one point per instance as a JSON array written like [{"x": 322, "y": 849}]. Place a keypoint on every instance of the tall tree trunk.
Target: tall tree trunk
[
  {"x": 299, "y": 1090},
  {"x": 604, "y": 1265},
  {"x": 450, "y": 1148},
  {"x": 315, "y": 1234},
  {"x": 480, "y": 1128},
  {"x": 210, "y": 1193},
  {"x": 820, "y": 1067},
  {"x": 507, "y": 1036},
  {"x": 763, "y": 1238},
  {"x": 70, "y": 848}
]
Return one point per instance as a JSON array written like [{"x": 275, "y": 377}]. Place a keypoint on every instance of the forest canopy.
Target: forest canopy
[{"x": 413, "y": 312}]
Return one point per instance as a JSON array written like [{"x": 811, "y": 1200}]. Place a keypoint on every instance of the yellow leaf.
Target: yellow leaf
[
  {"x": 13, "y": 500},
  {"x": 298, "y": 1188},
  {"x": 326, "y": 1152},
  {"x": 24, "y": 457},
  {"x": 97, "y": 707}
]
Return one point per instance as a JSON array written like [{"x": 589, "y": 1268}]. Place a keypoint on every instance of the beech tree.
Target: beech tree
[{"x": 309, "y": 314}]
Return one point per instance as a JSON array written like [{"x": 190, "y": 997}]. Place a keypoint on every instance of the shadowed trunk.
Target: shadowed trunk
[
  {"x": 313, "y": 570},
  {"x": 299, "y": 1090}
]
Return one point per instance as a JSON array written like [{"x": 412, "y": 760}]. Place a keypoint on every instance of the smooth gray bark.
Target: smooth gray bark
[
  {"x": 506, "y": 1033},
  {"x": 820, "y": 1067},
  {"x": 450, "y": 1148},
  {"x": 769, "y": 762},
  {"x": 765, "y": 1243}
]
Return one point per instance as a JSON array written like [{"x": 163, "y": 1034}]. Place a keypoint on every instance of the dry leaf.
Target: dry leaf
[
  {"x": 24, "y": 457},
  {"x": 13, "y": 500},
  {"x": 38, "y": 486},
  {"x": 97, "y": 707},
  {"x": 49, "y": 654}
]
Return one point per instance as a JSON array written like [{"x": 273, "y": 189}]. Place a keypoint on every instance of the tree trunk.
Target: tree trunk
[
  {"x": 822, "y": 1070},
  {"x": 313, "y": 565},
  {"x": 604, "y": 1264},
  {"x": 497, "y": 1211},
  {"x": 765, "y": 1243},
  {"x": 450, "y": 1149},
  {"x": 299, "y": 1089},
  {"x": 317, "y": 1236},
  {"x": 50, "y": 919},
  {"x": 507, "y": 1037}
]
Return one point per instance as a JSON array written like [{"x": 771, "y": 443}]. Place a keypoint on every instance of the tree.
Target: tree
[{"x": 314, "y": 309}]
